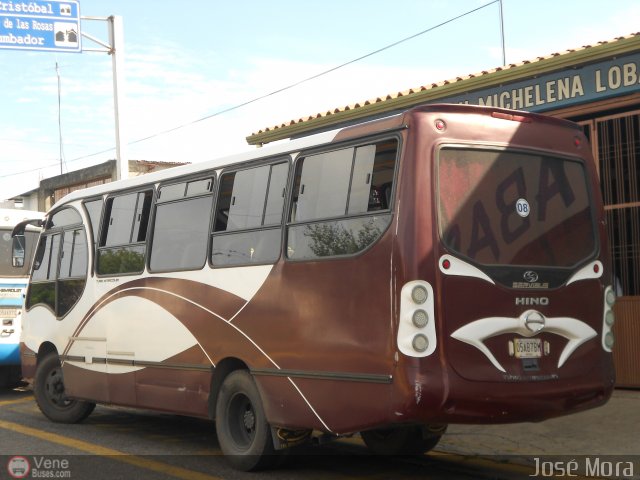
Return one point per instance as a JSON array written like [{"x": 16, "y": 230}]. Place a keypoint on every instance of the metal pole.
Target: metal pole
[
  {"x": 116, "y": 38},
  {"x": 504, "y": 55},
  {"x": 59, "y": 118}
]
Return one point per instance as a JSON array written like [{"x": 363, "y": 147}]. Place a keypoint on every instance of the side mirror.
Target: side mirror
[
  {"x": 17, "y": 251},
  {"x": 19, "y": 242}
]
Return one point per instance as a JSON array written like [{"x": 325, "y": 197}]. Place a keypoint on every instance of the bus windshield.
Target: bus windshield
[
  {"x": 508, "y": 207},
  {"x": 6, "y": 267}
]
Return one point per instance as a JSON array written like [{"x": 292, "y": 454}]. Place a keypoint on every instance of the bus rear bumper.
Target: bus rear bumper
[
  {"x": 487, "y": 407},
  {"x": 471, "y": 402}
]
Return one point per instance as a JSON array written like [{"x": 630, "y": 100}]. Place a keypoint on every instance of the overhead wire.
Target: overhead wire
[{"x": 312, "y": 77}]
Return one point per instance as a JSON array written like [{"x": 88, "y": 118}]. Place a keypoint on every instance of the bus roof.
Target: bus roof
[
  {"x": 284, "y": 148},
  {"x": 293, "y": 146}
]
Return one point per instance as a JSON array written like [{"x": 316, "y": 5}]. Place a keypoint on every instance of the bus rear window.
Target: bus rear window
[{"x": 501, "y": 207}]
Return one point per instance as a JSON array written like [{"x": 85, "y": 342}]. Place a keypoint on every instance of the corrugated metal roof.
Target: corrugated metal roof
[{"x": 433, "y": 91}]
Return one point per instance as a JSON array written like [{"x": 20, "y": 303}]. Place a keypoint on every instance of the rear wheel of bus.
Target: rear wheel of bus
[
  {"x": 405, "y": 440},
  {"x": 241, "y": 426},
  {"x": 48, "y": 389}
]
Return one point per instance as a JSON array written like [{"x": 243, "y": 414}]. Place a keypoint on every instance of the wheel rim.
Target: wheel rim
[
  {"x": 54, "y": 389},
  {"x": 242, "y": 421}
]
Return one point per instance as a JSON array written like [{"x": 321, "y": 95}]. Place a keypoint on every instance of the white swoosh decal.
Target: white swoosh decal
[{"x": 476, "y": 332}]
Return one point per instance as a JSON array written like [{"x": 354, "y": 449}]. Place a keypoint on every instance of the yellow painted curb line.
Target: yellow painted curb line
[{"x": 16, "y": 401}]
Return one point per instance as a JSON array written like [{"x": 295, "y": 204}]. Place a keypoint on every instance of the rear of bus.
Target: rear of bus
[
  {"x": 506, "y": 298},
  {"x": 14, "y": 277}
]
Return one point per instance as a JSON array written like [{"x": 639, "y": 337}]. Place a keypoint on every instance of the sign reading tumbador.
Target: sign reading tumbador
[{"x": 40, "y": 25}]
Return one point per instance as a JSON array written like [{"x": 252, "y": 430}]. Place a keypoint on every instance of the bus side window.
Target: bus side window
[
  {"x": 124, "y": 231},
  {"x": 73, "y": 269},
  {"x": 333, "y": 196},
  {"x": 248, "y": 216},
  {"x": 181, "y": 226},
  {"x": 323, "y": 188},
  {"x": 60, "y": 265},
  {"x": 42, "y": 264},
  {"x": 94, "y": 209},
  {"x": 361, "y": 183}
]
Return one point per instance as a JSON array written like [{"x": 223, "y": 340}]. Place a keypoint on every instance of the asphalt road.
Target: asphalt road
[{"x": 118, "y": 443}]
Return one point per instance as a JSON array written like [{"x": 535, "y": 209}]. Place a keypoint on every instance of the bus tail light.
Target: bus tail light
[
  {"x": 420, "y": 318},
  {"x": 420, "y": 343},
  {"x": 608, "y": 319},
  {"x": 610, "y": 297},
  {"x": 609, "y": 341},
  {"x": 419, "y": 294},
  {"x": 417, "y": 331}
]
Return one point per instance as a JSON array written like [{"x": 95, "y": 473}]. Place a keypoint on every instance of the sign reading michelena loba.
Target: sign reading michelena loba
[{"x": 586, "y": 83}]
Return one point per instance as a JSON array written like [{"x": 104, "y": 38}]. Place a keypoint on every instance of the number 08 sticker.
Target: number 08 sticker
[{"x": 522, "y": 207}]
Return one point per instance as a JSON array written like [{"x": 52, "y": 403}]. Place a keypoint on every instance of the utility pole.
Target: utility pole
[
  {"x": 60, "y": 119},
  {"x": 115, "y": 48},
  {"x": 504, "y": 55},
  {"x": 116, "y": 36}
]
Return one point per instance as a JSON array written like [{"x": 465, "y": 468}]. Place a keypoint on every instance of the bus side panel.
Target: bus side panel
[
  {"x": 322, "y": 320},
  {"x": 85, "y": 384},
  {"x": 283, "y": 404},
  {"x": 420, "y": 387},
  {"x": 182, "y": 388},
  {"x": 339, "y": 406}
]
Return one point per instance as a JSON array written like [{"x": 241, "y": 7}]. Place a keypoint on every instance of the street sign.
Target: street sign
[{"x": 45, "y": 25}]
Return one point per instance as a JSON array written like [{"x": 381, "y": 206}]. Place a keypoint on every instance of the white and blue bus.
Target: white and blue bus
[{"x": 13, "y": 281}]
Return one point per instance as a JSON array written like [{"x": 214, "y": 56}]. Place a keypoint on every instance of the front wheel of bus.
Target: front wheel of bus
[
  {"x": 48, "y": 388},
  {"x": 243, "y": 432},
  {"x": 405, "y": 440}
]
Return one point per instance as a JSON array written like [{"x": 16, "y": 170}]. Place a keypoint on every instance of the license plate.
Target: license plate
[
  {"x": 8, "y": 312},
  {"x": 527, "y": 347}
]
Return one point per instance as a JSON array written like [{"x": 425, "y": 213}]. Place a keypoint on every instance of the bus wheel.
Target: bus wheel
[
  {"x": 48, "y": 388},
  {"x": 406, "y": 440},
  {"x": 243, "y": 432}
]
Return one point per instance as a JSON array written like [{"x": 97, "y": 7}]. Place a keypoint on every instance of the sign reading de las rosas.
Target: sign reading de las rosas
[{"x": 50, "y": 25}]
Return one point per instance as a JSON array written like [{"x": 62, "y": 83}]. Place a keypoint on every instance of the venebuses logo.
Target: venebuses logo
[
  {"x": 38, "y": 467},
  {"x": 18, "y": 467},
  {"x": 530, "y": 276}
]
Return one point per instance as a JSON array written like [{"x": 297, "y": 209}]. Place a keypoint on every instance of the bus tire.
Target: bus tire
[
  {"x": 401, "y": 441},
  {"x": 241, "y": 426},
  {"x": 48, "y": 389}
]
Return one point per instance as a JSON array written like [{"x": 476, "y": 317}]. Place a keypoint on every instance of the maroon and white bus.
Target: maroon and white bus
[{"x": 444, "y": 265}]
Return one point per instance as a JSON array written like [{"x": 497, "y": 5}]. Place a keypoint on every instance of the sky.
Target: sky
[{"x": 202, "y": 75}]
